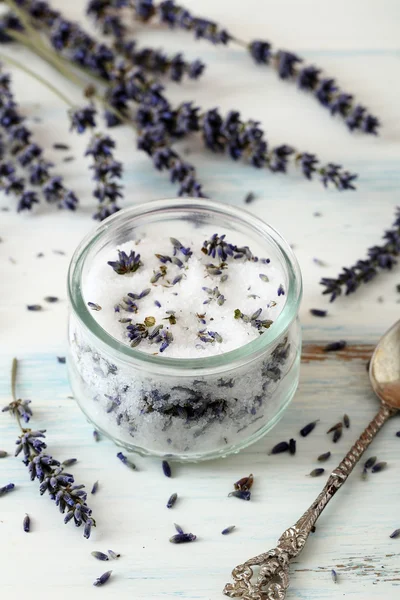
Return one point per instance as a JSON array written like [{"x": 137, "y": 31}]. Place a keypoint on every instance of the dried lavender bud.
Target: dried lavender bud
[
  {"x": 335, "y": 427},
  {"x": 398, "y": 433},
  {"x": 279, "y": 448},
  {"x": 171, "y": 500},
  {"x": 346, "y": 421},
  {"x": 324, "y": 457},
  {"x": 94, "y": 306},
  {"x": 337, "y": 435},
  {"x": 264, "y": 277},
  {"x": 335, "y": 346},
  {"x": 292, "y": 446},
  {"x": 166, "y": 468},
  {"x": 379, "y": 467},
  {"x": 113, "y": 554},
  {"x": 103, "y": 578},
  {"x": 317, "y": 472},
  {"x": 26, "y": 524},
  {"x": 178, "y": 528},
  {"x": 334, "y": 576},
  {"x": 241, "y": 494},
  {"x": 316, "y": 312},
  {"x": 62, "y": 360},
  {"x": 99, "y": 555},
  {"x": 6, "y": 488},
  {"x": 307, "y": 429},
  {"x": 96, "y": 435},
  {"x": 95, "y": 487},
  {"x": 249, "y": 198},
  {"x": 60, "y": 147},
  {"x": 313, "y": 529},
  {"x": 3, "y": 454},
  {"x": 34, "y": 307},
  {"x": 124, "y": 459},
  {"x": 245, "y": 483},
  {"x": 51, "y": 299},
  {"x": 69, "y": 462},
  {"x": 370, "y": 462},
  {"x": 228, "y": 529},
  {"x": 182, "y": 538},
  {"x": 126, "y": 263},
  {"x": 395, "y": 534}
]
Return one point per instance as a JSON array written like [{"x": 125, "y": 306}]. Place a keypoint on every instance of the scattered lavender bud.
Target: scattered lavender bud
[
  {"x": 370, "y": 462},
  {"x": 96, "y": 435},
  {"x": 166, "y": 468},
  {"x": 182, "y": 538},
  {"x": 337, "y": 435},
  {"x": 241, "y": 494},
  {"x": 34, "y": 307},
  {"x": 103, "y": 578},
  {"x": 379, "y": 467},
  {"x": 3, "y": 454},
  {"x": 292, "y": 446},
  {"x": 279, "y": 448},
  {"x": 335, "y": 346},
  {"x": 398, "y": 433},
  {"x": 99, "y": 555},
  {"x": 51, "y": 299},
  {"x": 395, "y": 534},
  {"x": 317, "y": 472},
  {"x": 307, "y": 429},
  {"x": 59, "y": 252},
  {"x": 245, "y": 483},
  {"x": 178, "y": 528},
  {"x": 249, "y": 198},
  {"x": 228, "y": 529},
  {"x": 171, "y": 500},
  {"x": 113, "y": 554},
  {"x": 334, "y": 576},
  {"x": 281, "y": 291},
  {"x": 157, "y": 303},
  {"x": 126, "y": 461},
  {"x": 94, "y": 306},
  {"x": 95, "y": 487},
  {"x": 6, "y": 488},
  {"x": 335, "y": 427},
  {"x": 26, "y": 524},
  {"x": 69, "y": 462},
  {"x": 324, "y": 457},
  {"x": 60, "y": 147},
  {"x": 319, "y": 262},
  {"x": 346, "y": 421},
  {"x": 61, "y": 360},
  {"x": 316, "y": 312},
  {"x": 313, "y": 529},
  {"x": 264, "y": 277}
]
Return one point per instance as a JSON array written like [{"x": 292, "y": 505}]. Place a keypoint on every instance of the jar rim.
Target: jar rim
[{"x": 247, "y": 352}]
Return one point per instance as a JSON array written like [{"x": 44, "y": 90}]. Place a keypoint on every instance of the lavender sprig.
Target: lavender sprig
[
  {"x": 29, "y": 156},
  {"x": 289, "y": 66},
  {"x": 70, "y": 498},
  {"x": 156, "y": 61},
  {"x": 382, "y": 257}
]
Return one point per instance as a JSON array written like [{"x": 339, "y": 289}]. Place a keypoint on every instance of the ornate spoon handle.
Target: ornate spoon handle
[{"x": 272, "y": 580}]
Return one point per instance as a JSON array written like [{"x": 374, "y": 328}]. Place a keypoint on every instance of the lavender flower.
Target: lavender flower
[
  {"x": 382, "y": 257},
  {"x": 28, "y": 155},
  {"x": 60, "y": 486},
  {"x": 126, "y": 263}
]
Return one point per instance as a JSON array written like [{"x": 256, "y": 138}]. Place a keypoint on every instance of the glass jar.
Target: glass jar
[{"x": 194, "y": 408}]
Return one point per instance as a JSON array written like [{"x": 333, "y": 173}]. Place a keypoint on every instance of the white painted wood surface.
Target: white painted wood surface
[{"x": 357, "y": 43}]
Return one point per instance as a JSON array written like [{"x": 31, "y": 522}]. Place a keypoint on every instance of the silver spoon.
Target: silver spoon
[{"x": 272, "y": 580}]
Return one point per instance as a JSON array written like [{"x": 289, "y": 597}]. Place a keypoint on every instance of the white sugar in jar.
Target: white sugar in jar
[{"x": 184, "y": 335}]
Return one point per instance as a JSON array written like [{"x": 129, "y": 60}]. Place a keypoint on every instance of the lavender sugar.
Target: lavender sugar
[{"x": 187, "y": 293}]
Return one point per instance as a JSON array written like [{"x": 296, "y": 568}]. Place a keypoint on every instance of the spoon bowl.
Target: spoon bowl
[{"x": 384, "y": 369}]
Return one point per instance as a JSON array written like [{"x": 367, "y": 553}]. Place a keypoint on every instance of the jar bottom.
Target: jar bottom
[{"x": 202, "y": 456}]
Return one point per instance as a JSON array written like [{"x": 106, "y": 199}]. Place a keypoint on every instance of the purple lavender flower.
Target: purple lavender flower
[
  {"x": 379, "y": 257},
  {"x": 19, "y": 408},
  {"x": 83, "y": 118}
]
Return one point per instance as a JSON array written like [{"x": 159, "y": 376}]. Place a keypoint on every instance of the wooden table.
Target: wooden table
[{"x": 356, "y": 42}]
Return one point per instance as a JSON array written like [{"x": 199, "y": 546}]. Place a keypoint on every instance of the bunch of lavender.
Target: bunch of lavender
[
  {"x": 379, "y": 257},
  {"x": 28, "y": 155},
  {"x": 106, "y": 170},
  {"x": 156, "y": 61},
  {"x": 288, "y": 65},
  {"x": 159, "y": 123},
  {"x": 70, "y": 498}
]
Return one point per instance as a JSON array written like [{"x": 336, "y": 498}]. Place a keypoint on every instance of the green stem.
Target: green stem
[
  {"x": 14, "y": 368},
  {"x": 38, "y": 77}
]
